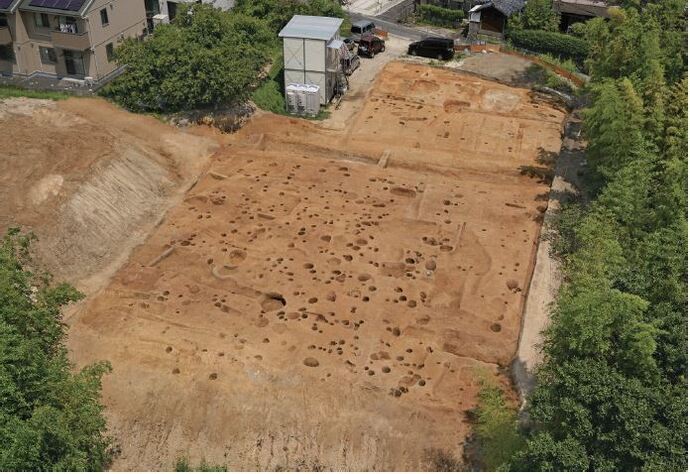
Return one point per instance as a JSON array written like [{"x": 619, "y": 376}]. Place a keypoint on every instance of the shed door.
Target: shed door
[
  {"x": 293, "y": 52},
  {"x": 315, "y": 55}
]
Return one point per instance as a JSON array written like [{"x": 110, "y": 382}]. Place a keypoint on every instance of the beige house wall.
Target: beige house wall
[
  {"x": 16, "y": 30},
  {"x": 126, "y": 18}
]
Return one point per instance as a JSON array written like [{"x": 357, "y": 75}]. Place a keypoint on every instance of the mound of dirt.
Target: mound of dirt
[{"x": 90, "y": 180}]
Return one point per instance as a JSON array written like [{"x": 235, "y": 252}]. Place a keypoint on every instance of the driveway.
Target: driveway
[{"x": 361, "y": 81}]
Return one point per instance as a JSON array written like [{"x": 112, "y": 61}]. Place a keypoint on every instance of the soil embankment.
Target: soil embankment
[{"x": 90, "y": 180}]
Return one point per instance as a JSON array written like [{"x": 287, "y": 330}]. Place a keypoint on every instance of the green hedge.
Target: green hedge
[
  {"x": 557, "y": 44},
  {"x": 440, "y": 16}
]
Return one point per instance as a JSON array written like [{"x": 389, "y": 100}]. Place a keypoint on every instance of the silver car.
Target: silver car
[{"x": 360, "y": 28}]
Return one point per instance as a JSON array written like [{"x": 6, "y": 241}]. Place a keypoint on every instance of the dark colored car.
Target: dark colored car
[
  {"x": 438, "y": 48},
  {"x": 370, "y": 45}
]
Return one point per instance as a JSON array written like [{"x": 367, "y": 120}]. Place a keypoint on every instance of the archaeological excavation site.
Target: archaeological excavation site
[{"x": 311, "y": 295}]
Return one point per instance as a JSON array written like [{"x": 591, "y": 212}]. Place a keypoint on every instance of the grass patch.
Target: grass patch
[
  {"x": 183, "y": 465},
  {"x": 567, "y": 64},
  {"x": 7, "y": 92},
  {"x": 561, "y": 84},
  {"x": 269, "y": 95},
  {"x": 496, "y": 430},
  {"x": 346, "y": 27}
]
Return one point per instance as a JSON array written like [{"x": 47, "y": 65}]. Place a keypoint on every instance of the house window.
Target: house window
[
  {"x": 3, "y": 20},
  {"x": 6, "y": 52},
  {"x": 48, "y": 55},
  {"x": 68, "y": 24},
  {"x": 110, "y": 52},
  {"x": 42, "y": 20},
  {"x": 104, "y": 17}
]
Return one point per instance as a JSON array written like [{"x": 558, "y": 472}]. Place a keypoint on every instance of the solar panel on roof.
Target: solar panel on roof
[
  {"x": 67, "y": 5},
  {"x": 5, "y": 4}
]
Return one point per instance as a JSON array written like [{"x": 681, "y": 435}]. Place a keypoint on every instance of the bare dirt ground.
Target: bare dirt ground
[
  {"x": 359, "y": 84},
  {"x": 505, "y": 68},
  {"x": 330, "y": 298},
  {"x": 90, "y": 180},
  {"x": 499, "y": 66}
]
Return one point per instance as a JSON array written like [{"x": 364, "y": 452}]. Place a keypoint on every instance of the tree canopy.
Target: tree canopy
[
  {"x": 205, "y": 57},
  {"x": 536, "y": 15},
  {"x": 612, "y": 391},
  {"x": 50, "y": 416}
]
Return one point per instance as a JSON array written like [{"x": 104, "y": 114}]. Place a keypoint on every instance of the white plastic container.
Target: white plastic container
[{"x": 302, "y": 99}]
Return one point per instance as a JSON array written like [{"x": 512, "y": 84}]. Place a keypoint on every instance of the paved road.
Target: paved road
[
  {"x": 396, "y": 29},
  {"x": 406, "y": 32}
]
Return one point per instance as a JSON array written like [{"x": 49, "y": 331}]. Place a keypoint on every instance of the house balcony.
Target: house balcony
[
  {"x": 5, "y": 35},
  {"x": 73, "y": 41}
]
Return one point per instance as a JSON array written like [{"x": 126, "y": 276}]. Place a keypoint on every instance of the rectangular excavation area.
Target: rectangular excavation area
[{"x": 307, "y": 308}]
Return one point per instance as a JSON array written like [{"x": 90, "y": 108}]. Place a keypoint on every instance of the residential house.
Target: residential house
[
  {"x": 577, "y": 11},
  {"x": 490, "y": 17},
  {"x": 66, "y": 38}
]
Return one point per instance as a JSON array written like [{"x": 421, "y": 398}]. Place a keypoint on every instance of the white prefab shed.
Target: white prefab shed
[{"x": 308, "y": 55}]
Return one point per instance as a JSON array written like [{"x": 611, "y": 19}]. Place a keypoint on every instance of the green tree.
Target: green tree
[
  {"x": 205, "y": 58},
  {"x": 50, "y": 417},
  {"x": 614, "y": 124},
  {"x": 536, "y": 15},
  {"x": 612, "y": 392},
  {"x": 623, "y": 46},
  {"x": 276, "y": 13},
  {"x": 672, "y": 172}
]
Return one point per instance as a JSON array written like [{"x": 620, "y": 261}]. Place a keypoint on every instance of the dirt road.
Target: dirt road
[{"x": 328, "y": 298}]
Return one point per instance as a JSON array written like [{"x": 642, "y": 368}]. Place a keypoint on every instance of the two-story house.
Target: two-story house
[{"x": 66, "y": 38}]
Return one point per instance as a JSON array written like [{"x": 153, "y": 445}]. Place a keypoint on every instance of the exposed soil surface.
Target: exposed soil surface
[
  {"x": 502, "y": 67},
  {"x": 90, "y": 180},
  {"x": 329, "y": 298}
]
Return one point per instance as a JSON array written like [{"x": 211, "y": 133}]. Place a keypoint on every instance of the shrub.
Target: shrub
[
  {"x": 440, "y": 16},
  {"x": 557, "y": 44}
]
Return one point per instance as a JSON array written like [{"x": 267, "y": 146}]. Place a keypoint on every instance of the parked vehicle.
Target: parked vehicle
[
  {"x": 350, "y": 64},
  {"x": 350, "y": 43},
  {"x": 438, "y": 48},
  {"x": 360, "y": 28},
  {"x": 370, "y": 45}
]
